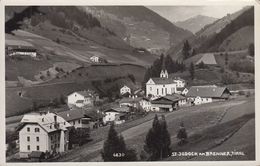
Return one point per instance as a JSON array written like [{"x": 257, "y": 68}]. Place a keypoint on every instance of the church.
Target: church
[{"x": 160, "y": 86}]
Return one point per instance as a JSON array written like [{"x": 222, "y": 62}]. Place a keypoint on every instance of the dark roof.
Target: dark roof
[
  {"x": 118, "y": 109},
  {"x": 207, "y": 91},
  {"x": 130, "y": 100},
  {"x": 93, "y": 114},
  {"x": 158, "y": 80},
  {"x": 169, "y": 99},
  {"x": 180, "y": 89},
  {"x": 71, "y": 114}
]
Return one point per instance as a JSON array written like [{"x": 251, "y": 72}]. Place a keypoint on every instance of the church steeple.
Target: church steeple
[{"x": 164, "y": 73}]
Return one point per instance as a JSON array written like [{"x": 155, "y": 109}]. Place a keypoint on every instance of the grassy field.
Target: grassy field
[
  {"x": 16, "y": 105},
  {"x": 206, "y": 140}
]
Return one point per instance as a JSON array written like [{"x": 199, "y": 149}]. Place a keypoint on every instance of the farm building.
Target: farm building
[
  {"x": 21, "y": 51},
  {"x": 82, "y": 98},
  {"x": 43, "y": 132},
  {"x": 125, "y": 89},
  {"x": 207, "y": 94},
  {"x": 168, "y": 102},
  {"x": 94, "y": 118},
  {"x": 117, "y": 115}
]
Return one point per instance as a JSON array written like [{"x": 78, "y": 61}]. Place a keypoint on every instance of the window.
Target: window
[
  {"x": 37, "y": 139},
  {"x": 28, "y": 129},
  {"x": 38, "y": 147},
  {"x": 51, "y": 138},
  {"x": 28, "y": 139},
  {"x": 162, "y": 91},
  {"x": 37, "y": 130},
  {"x": 157, "y": 91},
  {"x": 28, "y": 147},
  {"x": 165, "y": 90},
  {"x": 79, "y": 121},
  {"x": 73, "y": 122},
  {"x": 151, "y": 88}
]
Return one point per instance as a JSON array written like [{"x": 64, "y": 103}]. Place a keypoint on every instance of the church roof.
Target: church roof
[{"x": 157, "y": 80}]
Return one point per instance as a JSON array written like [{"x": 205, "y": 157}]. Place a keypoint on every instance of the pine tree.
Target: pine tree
[
  {"x": 192, "y": 71},
  {"x": 157, "y": 143},
  {"x": 115, "y": 149},
  {"x": 186, "y": 50}
]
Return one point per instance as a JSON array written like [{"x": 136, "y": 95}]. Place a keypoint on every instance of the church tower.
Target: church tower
[{"x": 164, "y": 73}]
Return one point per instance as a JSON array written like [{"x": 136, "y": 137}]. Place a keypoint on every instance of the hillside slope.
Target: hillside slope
[
  {"x": 194, "y": 24},
  {"x": 59, "y": 37},
  {"x": 140, "y": 26},
  {"x": 210, "y": 37}
]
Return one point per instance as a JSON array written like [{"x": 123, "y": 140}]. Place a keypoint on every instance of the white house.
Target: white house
[
  {"x": 94, "y": 59},
  {"x": 157, "y": 87},
  {"x": 206, "y": 94},
  {"x": 74, "y": 117},
  {"x": 125, "y": 89},
  {"x": 180, "y": 83},
  {"x": 82, "y": 98},
  {"x": 43, "y": 132},
  {"x": 116, "y": 115},
  {"x": 145, "y": 103}
]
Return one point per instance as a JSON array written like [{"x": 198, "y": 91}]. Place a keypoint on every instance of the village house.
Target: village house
[
  {"x": 94, "y": 59},
  {"x": 125, "y": 89},
  {"x": 180, "y": 83},
  {"x": 184, "y": 91},
  {"x": 43, "y": 132},
  {"x": 21, "y": 51},
  {"x": 207, "y": 94},
  {"x": 74, "y": 117},
  {"x": 157, "y": 87},
  {"x": 145, "y": 103},
  {"x": 93, "y": 118},
  {"x": 82, "y": 98},
  {"x": 136, "y": 102},
  {"x": 168, "y": 103},
  {"x": 117, "y": 115}
]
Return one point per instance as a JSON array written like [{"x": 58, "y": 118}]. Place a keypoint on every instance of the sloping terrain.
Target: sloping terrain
[
  {"x": 214, "y": 37},
  {"x": 140, "y": 26},
  {"x": 70, "y": 40},
  {"x": 196, "y": 23}
]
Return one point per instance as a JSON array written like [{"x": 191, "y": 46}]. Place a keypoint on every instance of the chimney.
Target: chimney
[{"x": 55, "y": 118}]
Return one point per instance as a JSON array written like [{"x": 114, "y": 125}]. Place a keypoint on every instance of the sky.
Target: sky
[{"x": 180, "y": 13}]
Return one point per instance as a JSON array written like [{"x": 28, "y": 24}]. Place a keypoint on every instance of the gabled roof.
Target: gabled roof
[
  {"x": 130, "y": 100},
  {"x": 118, "y": 109},
  {"x": 125, "y": 87},
  {"x": 71, "y": 114},
  {"x": 180, "y": 89},
  {"x": 168, "y": 99},
  {"x": 178, "y": 79},
  {"x": 85, "y": 93},
  {"x": 158, "y": 80},
  {"x": 93, "y": 114},
  {"x": 207, "y": 91},
  {"x": 45, "y": 121}
]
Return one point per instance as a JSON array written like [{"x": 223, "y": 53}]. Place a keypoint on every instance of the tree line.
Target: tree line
[{"x": 170, "y": 65}]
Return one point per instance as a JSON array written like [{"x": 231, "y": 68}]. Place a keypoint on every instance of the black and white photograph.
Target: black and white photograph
[{"x": 129, "y": 83}]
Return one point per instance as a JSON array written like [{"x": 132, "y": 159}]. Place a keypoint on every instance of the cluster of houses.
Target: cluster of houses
[{"x": 49, "y": 132}]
